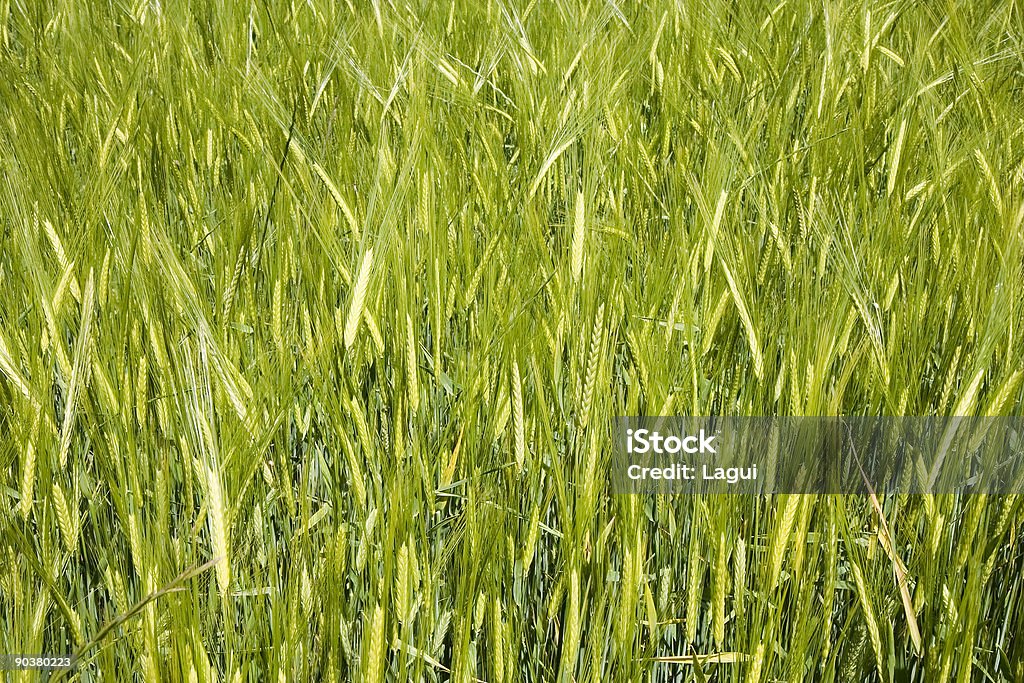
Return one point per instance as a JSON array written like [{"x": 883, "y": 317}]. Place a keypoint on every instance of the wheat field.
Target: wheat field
[{"x": 315, "y": 318}]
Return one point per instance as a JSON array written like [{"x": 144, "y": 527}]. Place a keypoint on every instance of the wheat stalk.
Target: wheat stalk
[
  {"x": 411, "y": 365},
  {"x": 518, "y": 423},
  {"x": 67, "y": 519},
  {"x": 593, "y": 361},
  {"x": 497, "y": 648},
  {"x": 355, "y": 310},
  {"x": 81, "y": 366},
  {"x": 571, "y": 634},
  {"x": 402, "y": 588},
  {"x": 578, "y": 236},
  {"x": 694, "y": 587},
  {"x": 721, "y": 578},
  {"x": 739, "y": 559},
  {"x": 217, "y": 516},
  {"x": 869, "y": 616},
  {"x": 373, "y": 657}
]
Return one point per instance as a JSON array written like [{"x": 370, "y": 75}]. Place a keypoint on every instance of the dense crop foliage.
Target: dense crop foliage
[{"x": 315, "y": 316}]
